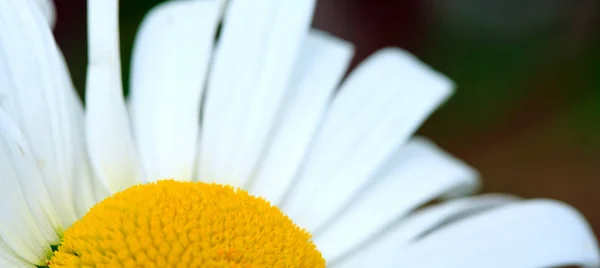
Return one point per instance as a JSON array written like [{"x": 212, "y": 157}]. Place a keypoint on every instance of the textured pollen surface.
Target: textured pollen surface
[{"x": 185, "y": 224}]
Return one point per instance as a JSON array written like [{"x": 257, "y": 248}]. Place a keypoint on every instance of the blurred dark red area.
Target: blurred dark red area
[
  {"x": 526, "y": 113},
  {"x": 371, "y": 25}
]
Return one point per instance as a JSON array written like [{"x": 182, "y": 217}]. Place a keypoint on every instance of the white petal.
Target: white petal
[
  {"x": 258, "y": 46},
  {"x": 378, "y": 108},
  {"x": 47, "y": 8},
  {"x": 320, "y": 67},
  {"x": 88, "y": 189},
  {"x": 109, "y": 138},
  {"x": 89, "y": 192},
  {"x": 537, "y": 233},
  {"x": 418, "y": 173},
  {"x": 4, "y": 262},
  {"x": 383, "y": 248},
  {"x": 8, "y": 258},
  {"x": 37, "y": 97},
  {"x": 19, "y": 167},
  {"x": 29, "y": 224},
  {"x": 170, "y": 60}
]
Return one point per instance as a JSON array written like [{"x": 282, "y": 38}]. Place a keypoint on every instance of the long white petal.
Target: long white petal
[
  {"x": 536, "y": 233},
  {"x": 378, "y": 108},
  {"x": 29, "y": 225},
  {"x": 258, "y": 46},
  {"x": 418, "y": 173},
  {"x": 37, "y": 96},
  {"x": 88, "y": 188},
  {"x": 320, "y": 67},
  {"x": 382, "y": 249},
  {"x": 8, "y": 258},
  {"x": 109, "y": 138},
  {"x": 171, "y": 55},
  {"x": 19, "y": 167}
]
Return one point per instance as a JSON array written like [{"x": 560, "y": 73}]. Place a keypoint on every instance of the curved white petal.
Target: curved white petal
[
  {"x": 18, "y": 166},
  {"x": 171, "y": 55},
  {"x": 378, "y": 108},
  {"x": 8, "y": 258},
  {"x": 258, "y": 46},
  {"x": 418, "y": 173},
  {"x": 37, "y": 96},
  {"x": 320, "y": 67},
  {"x": 536, "y": 233},
  {"x": 109, "y": 139},
  {"x": 382, "y": 249},
  {"x": 29, "y": 224}
]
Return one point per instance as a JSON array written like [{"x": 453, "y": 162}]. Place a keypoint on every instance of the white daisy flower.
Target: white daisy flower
[{"x": 264, "y": 108}]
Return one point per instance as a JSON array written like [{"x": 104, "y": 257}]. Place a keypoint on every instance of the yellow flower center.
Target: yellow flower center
[{"x": 185, "y": 224}]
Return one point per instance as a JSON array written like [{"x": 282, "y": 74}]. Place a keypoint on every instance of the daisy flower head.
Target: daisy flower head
[{"x": 243, "y": 144}]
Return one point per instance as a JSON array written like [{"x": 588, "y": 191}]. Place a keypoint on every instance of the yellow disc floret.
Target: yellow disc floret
[{"x": 185, "y": 224}]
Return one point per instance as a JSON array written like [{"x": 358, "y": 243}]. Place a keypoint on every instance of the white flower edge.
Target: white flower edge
[{"x": 567, "y": 220}]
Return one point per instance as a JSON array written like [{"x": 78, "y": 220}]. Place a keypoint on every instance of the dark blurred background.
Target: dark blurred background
[{"x": 527, "y": 109}]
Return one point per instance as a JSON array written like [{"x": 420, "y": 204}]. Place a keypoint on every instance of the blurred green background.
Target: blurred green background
[{"x": 527, "y": 109}]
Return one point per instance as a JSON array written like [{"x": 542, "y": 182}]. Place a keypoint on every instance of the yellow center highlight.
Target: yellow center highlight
[{"x": 185, "y": 224}]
